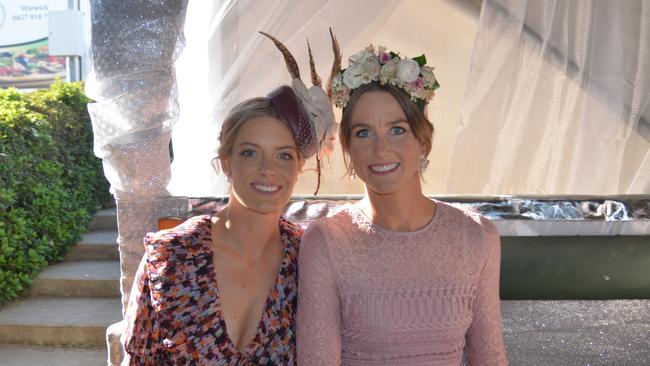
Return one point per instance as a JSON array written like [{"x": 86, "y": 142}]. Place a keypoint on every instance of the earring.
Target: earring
[
  {"x": 352, "y": 175},
  {"x": 228, "y": 178},
  {"x": 424, "y": 163}
]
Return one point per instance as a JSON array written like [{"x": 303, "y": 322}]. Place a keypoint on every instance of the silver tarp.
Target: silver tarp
[
  {"x": 513, "y": 216},
  {"x": 134, "y": 45}
]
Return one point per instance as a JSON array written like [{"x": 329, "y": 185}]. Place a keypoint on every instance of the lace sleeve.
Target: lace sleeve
[
  {"x": 318, "y": 321},
  {"x": 141, "y": 339},
  {"x": 485, "y": 336}
]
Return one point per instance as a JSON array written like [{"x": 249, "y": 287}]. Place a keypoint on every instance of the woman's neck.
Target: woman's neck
[
  {"x": 403, "y": 210},
  {"x": 247, "y": 232}
]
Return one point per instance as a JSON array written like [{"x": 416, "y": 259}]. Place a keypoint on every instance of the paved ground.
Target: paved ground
[
  {"x": 537, "y": 333},
  {"x": 564, "y": 333},
  {"x": 11, "y": 355}
]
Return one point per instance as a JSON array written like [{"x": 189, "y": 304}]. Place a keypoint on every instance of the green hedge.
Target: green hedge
[{"x": 50, "y": 181}]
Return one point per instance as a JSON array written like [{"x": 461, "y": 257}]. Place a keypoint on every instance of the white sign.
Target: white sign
[
  {"x": 25, "y": 21},
  {"x": 25, "y": 61}
]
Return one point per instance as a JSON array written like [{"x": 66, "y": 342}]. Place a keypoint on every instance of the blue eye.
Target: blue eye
[
  {"x": 397, "y": 130},
  {"x": 364, "y": 132},
  {"x": 248, "y": 153},
  {"x": 285, "y": 156}
]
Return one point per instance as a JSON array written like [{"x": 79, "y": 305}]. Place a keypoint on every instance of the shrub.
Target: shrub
[{"x": 50, "y": 181}]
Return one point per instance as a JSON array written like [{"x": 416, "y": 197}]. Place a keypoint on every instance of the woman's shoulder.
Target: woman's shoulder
[
  {"x": 476, "y": 232},
  {"x": 181, "y": 287},
  {"x": 291, "y": 228},
  {"x": 187, "y": 236},
  {"x": 334, "y": 230},
  {"x": 468, "y": 218},
  {"x": 333, "y": 222},
  {"x": 177, "y": 259},
  {"x": 291, "y": 235}
]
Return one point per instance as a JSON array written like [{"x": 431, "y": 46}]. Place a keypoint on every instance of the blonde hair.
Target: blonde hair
[{"x": 241, "y": 113}]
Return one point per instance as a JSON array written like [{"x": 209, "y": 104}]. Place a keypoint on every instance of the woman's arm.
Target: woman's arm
[
  {"x": 319, "y": 315},
  {"x": 485, "y": 336},
  {"x": 141, "y": 339}
]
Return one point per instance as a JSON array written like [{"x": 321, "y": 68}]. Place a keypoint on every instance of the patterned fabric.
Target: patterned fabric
[
  {"x": 373, "y": 296},
  {"x": 174, "y": 313}
]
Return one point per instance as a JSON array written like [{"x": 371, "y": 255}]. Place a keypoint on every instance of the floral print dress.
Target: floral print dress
[{"x": 174, "y": 314}]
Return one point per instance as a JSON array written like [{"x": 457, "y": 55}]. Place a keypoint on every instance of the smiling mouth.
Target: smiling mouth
[
  {"x": 384, "y": 169},
  {"x": 266, "y": 188}
]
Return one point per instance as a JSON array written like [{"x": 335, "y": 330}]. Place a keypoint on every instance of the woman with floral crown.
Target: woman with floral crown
[
  {"x": 397, "y": 278},
  {"x": 221, "y": 289}
]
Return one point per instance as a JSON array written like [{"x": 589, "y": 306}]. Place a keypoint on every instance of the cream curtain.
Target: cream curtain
[
  {"x": 225, "y": 61},
  {"x": 557, "y": 100}
]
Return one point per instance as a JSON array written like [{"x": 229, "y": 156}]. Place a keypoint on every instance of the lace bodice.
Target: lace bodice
[{"x": 372, "y": 296}]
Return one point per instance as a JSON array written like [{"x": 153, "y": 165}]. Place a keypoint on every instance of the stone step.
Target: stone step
[
  {"x": 18, "y": 355},
  {"x": 70, "y": 322},
  {"x": 79, "y": 279},
  {"x": 104, "y": 220},
  {"x": 98, "y": 246}
]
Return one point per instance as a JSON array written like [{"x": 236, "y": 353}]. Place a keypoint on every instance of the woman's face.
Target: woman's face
[
  {"x": 383, "y": 150},
  {"x": 264, "y": 165}
]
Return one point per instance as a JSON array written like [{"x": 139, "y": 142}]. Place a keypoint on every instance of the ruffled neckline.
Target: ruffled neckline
[
  {"x": 190, "y": 245},
  {"x": 265, "y": 326}
]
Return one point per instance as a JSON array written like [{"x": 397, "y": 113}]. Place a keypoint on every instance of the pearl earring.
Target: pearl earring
[{"x": 352, "y": 174}]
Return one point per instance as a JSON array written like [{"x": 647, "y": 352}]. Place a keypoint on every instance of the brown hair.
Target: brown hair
[
  {"x": 242, "y": 112},
  {"x": 415, "y": 115}
]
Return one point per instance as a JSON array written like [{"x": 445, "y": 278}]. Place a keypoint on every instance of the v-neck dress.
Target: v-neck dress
[{"x": 174, "y": 314}]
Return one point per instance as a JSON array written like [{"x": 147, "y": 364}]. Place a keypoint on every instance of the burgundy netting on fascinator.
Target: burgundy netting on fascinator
[
  {"x": 286, "y": 102},
  {"x": 308, "y": 111}
]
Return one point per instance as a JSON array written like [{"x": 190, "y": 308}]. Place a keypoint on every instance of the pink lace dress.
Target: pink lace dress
[{"x": 372, "y": 296}]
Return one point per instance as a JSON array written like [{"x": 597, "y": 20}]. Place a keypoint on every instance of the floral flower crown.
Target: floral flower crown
[{"x": 368, "y": 65}]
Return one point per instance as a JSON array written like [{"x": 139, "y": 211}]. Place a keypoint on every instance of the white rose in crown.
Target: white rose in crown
[
  {"x": 370, "y": 70},
  {"x": 361, "y": 57},
  {"x": 427, "y": 76},
  {"x": 389, "y": 71},
  {"x": 408, "y": 70},
  {"x": 353, "y": 76}
]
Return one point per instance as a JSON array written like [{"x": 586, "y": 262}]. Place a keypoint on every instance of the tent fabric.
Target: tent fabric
[
  {"x": 557, "y": 100},
  {"x": 226, "y": 61}
]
